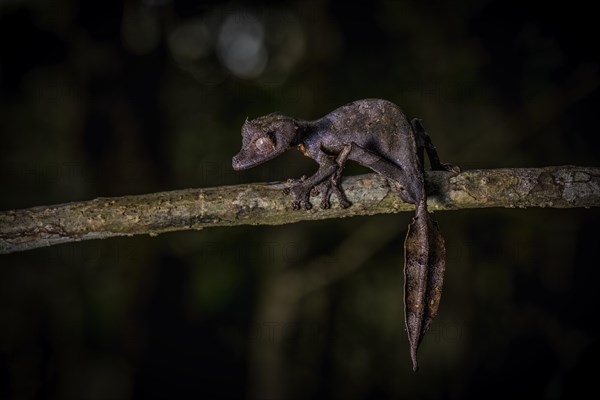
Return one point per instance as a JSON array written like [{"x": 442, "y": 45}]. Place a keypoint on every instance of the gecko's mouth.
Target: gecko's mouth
[{"x": 241, "y": 161}]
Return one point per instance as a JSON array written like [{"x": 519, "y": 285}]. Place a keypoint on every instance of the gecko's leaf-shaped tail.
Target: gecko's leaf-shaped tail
[{"x": 424, "y": 264}]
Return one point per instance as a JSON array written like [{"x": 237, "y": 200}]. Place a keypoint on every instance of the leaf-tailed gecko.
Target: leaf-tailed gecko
[{"x": 376, "y": 134}]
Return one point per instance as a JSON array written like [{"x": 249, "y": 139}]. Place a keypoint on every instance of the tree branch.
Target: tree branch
[{"x": 266, "y": 204}]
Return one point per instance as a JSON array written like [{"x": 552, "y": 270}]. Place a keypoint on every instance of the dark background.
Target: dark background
[{"x": 112, "y": 98}]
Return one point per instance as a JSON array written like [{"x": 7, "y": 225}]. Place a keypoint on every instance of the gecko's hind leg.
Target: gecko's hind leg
[
  {"x": 333, "y": 184},
  {"x": 409, "y": 188},
  {"x": 424, "y": 143}
]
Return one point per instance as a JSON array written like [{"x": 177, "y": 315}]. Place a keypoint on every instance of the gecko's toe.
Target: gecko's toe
[
  {"x": 345, "y": 203},
  {"x": 325, "y": 204},
  {"x": 455, "y": 169}
]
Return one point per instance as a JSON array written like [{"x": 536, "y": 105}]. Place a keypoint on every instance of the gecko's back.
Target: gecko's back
[{"x": 377, "y": 125}]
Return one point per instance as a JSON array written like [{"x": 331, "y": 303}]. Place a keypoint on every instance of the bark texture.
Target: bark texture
[{"x": 266, "y": 204}]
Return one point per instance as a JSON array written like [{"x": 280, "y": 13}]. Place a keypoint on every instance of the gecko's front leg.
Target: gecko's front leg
[
  {"x": 333, "y": 184},
  {"x": 424, "y": 143},
  {"x": 302, "y": 188}
]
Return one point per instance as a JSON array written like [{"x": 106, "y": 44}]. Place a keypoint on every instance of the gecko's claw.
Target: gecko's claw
[
  {"x": 455, "y": 169},
  {"x": 301, "y": 204},
  {"x": 446, "y": 167},
  {"x": 344, "y": 202}
]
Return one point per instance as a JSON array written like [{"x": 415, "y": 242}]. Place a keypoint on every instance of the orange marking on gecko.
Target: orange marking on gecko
[{"x": 303, "y": 150}]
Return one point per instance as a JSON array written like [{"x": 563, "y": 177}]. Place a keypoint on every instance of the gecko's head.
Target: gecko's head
[{"x": 263, "y": 139}]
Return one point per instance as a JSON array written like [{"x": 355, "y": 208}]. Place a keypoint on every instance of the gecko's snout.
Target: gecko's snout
[
  {"x": 235, "y": 162},
  {"x": 241, "y": 161}
]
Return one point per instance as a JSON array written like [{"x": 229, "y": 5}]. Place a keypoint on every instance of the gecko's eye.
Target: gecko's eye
[{"x": 264, "y": 144}]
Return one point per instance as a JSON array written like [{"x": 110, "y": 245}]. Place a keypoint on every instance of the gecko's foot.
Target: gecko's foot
[
  {"x": 329, "y": 187},
  {"x": 344, "y": 202},
  {"x": 299, "y": 192},
  {"x": 324, "y": 188},
  {"x": 402, "y": 191},
  {"x": 455, "y": 169},
  {"x": 301, "y": 197},
  {"x": 341, "y": 195}
]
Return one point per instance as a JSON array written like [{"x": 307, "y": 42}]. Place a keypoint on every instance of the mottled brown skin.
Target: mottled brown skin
[{"x": 377, "y": 134}]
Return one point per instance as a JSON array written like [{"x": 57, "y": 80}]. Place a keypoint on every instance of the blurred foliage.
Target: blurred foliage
[{"x": 112, "y": 98}]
